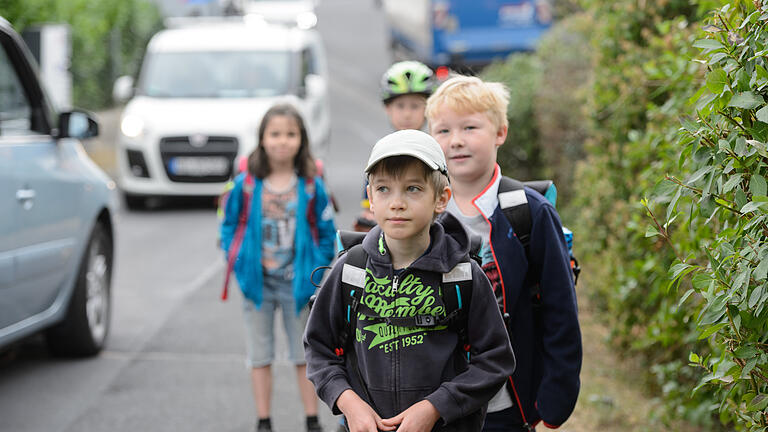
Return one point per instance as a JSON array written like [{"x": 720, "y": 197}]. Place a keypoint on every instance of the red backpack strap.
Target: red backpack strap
[
  {"x": 237, "y": 241},
  {"x": 309, "y": 187}
]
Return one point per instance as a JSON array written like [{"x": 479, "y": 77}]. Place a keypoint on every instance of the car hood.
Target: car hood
[{"x": 181, "y": 117}]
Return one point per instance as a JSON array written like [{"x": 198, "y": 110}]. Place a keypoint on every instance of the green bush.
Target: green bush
[
  {"x": 108, "y": 38},
  {"x": 643, "y": 79},
  {"x": 565, "y": 55},
  {"x": 519, "y": 156},
  {"x": 723, "y": 208}
]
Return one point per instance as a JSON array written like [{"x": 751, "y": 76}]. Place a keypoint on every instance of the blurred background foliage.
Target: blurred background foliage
[
  {"x": 598, "y": 107},
  {"x": 108, "y": 39}
]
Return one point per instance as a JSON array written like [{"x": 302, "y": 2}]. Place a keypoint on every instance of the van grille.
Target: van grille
[{"x": 206, "y": 151}]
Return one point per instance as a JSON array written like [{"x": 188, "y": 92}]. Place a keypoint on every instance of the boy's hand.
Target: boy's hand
[
  {"x": 420, "y": 417},
  {"x": 360, "y": 416}
]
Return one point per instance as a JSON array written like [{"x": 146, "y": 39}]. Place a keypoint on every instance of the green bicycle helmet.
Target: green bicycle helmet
[{"x": 407, "y": 77}]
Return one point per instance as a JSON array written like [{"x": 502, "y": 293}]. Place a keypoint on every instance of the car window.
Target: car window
[
  {"x": 15, "y": 109},
  {"x": 218, "y": 74}
]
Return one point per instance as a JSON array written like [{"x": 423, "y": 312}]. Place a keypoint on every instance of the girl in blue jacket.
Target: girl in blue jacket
[{"x": 288, "y": 232}]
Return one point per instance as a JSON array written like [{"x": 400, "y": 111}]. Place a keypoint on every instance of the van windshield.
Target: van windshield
[{"x": 215, "y": 74}]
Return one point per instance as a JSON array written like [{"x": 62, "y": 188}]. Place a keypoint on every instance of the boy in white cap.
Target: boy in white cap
[{"x": 405, "y": 334}]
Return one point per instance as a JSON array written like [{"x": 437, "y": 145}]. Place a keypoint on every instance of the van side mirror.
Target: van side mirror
[
  {"x": 77, "y": 124},
  {"x": 122, "y": 90},
  {"x": 315, "y": 85}
]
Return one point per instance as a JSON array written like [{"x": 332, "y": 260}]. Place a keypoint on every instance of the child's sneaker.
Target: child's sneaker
[
  {"x": 264, "y": 425},
  {"x": 313, "y": 424}
]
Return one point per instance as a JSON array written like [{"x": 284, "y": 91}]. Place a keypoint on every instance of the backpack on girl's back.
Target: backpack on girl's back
[{"x": 276, "y": 229}]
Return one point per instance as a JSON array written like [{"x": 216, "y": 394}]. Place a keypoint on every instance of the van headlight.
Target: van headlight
[{"x": 132, "y": 126}]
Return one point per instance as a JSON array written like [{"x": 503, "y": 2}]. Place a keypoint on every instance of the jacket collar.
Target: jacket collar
[{"x": 487, "y": 200}]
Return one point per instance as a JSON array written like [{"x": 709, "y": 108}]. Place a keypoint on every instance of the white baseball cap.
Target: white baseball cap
[{"x": 409, "y": 142}]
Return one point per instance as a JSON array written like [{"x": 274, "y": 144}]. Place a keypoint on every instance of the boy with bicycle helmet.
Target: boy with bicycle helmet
[{"x": 405, "y": 87}]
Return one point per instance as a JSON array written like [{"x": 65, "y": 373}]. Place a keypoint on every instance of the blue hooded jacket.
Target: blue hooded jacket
[{"x": 310, "y": 252}]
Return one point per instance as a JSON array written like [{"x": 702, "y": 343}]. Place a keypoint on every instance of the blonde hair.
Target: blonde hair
[{"x": 469, "y": 94}]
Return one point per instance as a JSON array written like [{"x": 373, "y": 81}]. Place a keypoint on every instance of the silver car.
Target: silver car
[{"x": 56, "y": 209}]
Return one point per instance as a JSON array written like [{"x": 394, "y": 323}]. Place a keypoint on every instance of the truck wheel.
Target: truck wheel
[{"x": 86, "y": 325}]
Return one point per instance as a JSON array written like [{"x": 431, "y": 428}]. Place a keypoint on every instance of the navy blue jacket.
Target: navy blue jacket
[{"x": 548, "y": 353}]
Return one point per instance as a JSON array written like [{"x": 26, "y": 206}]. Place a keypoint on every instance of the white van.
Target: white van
[{"x": 200, "y": 96}]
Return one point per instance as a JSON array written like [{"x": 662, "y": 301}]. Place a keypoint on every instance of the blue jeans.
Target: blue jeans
[{"x": 277, "y": 292}]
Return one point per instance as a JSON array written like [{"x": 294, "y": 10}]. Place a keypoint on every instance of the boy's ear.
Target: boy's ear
[
  {"x": 370, "y": 197},
  {"x": 501, "y": 135},
  {"x": 442, "y": 200}
]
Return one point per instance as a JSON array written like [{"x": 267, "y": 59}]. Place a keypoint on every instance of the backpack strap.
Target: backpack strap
[
  {"x": 237, "y": 240},
  {"x": 456, "y": 291},
  {"x": 309, "y": 189},
  {"x": 514, "y": 205},
  {"x": 353, "y": 285}
]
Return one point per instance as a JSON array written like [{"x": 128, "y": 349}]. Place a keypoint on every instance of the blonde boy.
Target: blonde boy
[
  {"x": 467, "y": 116},
  {"x": 393, "y": 359}
]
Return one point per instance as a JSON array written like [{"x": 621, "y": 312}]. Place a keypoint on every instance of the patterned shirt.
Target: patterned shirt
[{"x": 278, "y": 228}]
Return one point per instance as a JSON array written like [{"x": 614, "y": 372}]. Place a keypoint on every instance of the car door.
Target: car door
[{"x": 43, "y": 191}]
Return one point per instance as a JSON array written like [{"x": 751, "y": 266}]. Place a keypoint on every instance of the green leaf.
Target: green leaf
[
  {"x": 651, "y": 231},
  {"x": 689, "y": 125},
  {"x": 761, "y": 271},
  {"x": 685, "y": 297},
  {"x": 701, "y": 281},
  {"x": 757, "y": 185},
  {"x": 717, "y": 80},
  {"x": 746, "y": 351},
  {"x": 755, "y": 296},
  {"x": 732, "y": 182},
  {"x": 709, "y": 331},
  {"x": 751, "y": 206},
  {"x": 762, "y": 114},
  {"x": 708, "y": 44},
  {"x": 751, "y": 363},
  {"x": 746, "y": 100},
  {"x": 758, "y": 403},
  {"x": 713, "y": 311},
  {"x": 761, "y": 72},
  {"x": 740, "y": 197},
  {"x": 693, "y": 357}
]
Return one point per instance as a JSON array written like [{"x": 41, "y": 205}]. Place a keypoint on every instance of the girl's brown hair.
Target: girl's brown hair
[{"x": 258, "y": 163}]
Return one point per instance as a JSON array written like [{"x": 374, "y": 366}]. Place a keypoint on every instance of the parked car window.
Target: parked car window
[
  {"x": 228, "y": 74},
  {"x": 15, "y": 110}
]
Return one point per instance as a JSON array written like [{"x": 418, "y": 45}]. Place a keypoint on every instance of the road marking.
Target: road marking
[{"x": 204, "y": 277}]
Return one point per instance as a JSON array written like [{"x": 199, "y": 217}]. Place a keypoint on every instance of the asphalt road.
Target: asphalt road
[{"x": 174, "y": 361}]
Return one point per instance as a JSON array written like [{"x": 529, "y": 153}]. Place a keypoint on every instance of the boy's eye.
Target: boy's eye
[
  {"x": 381, "y": 189},
  {"x": 414, "y": 188},
  {"x": 470, "y": 127},
  {"x": 442, "y": 131}
]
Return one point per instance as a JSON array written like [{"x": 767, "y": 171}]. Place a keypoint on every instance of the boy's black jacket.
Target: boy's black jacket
[{"x": 409, "y": 365}]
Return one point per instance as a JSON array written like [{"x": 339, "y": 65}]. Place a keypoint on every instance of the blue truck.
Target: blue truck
[{"x": 465, "y": 33}]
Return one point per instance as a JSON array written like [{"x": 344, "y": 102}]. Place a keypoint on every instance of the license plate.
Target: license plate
[
  {"x": 516, "y": 14},
  {"x": 198, "y": 166}
]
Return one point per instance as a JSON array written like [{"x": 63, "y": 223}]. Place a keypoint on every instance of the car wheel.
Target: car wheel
[
  {"x": 134, "y": 202},
  {"x": 86, "y": 325}
]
